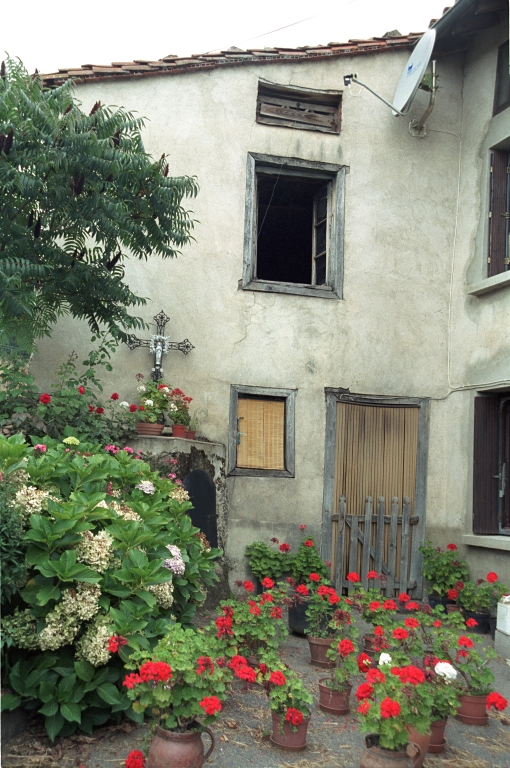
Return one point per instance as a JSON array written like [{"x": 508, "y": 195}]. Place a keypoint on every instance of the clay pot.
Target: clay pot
[
  {"x": 423, "y": 741},
  {"x": 149, "y": 429},
  {"x": 179, "y": 430},
  {"x": 318, "y": 649},
  {"x": 286, "y": 738},
  {"x": 368, "y": 646},
  {"x": 437, "y": 739},
  {"x": 190, "y": 434},
  {"x": 297, "y": 615},
  {"x": 169, "y": 749},
  {"x": 334, "y": 702},
  {"x": 472, "y": 710},
  {"x": 453, "y": 608},
  {"x": 483, "y": 619},
  {"x": 375, "y": 756}
]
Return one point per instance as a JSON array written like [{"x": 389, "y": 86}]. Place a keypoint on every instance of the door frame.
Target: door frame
[{"x": 338, "y": 395}]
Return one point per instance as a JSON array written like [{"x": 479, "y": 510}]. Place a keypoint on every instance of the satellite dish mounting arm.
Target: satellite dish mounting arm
[{"x": 354, "y": 79}]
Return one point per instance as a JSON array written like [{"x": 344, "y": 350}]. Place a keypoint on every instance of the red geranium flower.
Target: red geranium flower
[
  {"x": 411, "y": 674},
  {"x": 333, "y": 599},
  {"x": 249, "y": 586},
  {"x": 451, "y": 547},
  {"x": 99, "y": 410},
  {"x": 374, "y": 605},
  {"x": 276, "y": 612},
  {"x": 115, "y": 642},
  {"x": 114, "y": 396},
  {"x": 91, "y": 408},
  {"x": 45, "y": 399},
  {"x": 400, "y": 634},
  {"x": 210, "y": 705},
  {"x": 492, "y": 577},
  {"x": 302, "y": 589},
  {"x": 277, "y": 678},
  {"x": 471, "y": 623},
  {"x": 308, "y": 543},
  {"x": 154, "y": 671},
  {"x": 404, "y": 597},
  {"x": 411, "y": 623},
  {"x": 294, "y": 716},
  {"x": 81, "y": 390},
  {"x": 379, "y": 631},
  {"x": 255, "y": 610},
  {"x": 390, "y": 605},
  {"x": 459, "y": 585},
  {"x": 266, "y": 597},
  {"x": 462, "y": 655},
  {"x": 345, "y": 647},
  {"x": 364, "y": 707},
  {"x": 372, "y": 575},
  {"x": 284, "y": 547},
  {"x": 245, "y": 672},
  {"x": 389, "y": 708},
  {"x": 496, "y": 701},
  {"x": 353, "y": 577},
  {"x": 412, "y": 606},
  {"x": 465, "y": 642},
  {"x": 364, "y": 691},
  {"x": 302, "y": 527},
  {"x": 375, "y": 676},
  {"x": 314, "y": 577},
  {"x": 364, "y": 661},
  {"x": 437, "y": 623},
  {"x": 267, "y": 583},
  {"x": 131, "y": 680},
  {"x": 452, "y": 594},
  {"x": 135, "y": 759},
  {"x": 263, "y": 669},
  {"x": 205, "y": 663},
  {"x": 133, "y": 408}
]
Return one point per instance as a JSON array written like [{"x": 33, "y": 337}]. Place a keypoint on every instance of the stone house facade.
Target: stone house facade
[{"x": 351, "y": 338}]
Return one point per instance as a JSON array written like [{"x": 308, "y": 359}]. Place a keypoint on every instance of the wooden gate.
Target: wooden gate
[{"x": 374, "y": 525}]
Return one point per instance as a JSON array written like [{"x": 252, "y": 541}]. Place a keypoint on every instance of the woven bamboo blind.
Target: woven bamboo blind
[
  {"x": 376, "y": 454},
  {"x": 262, "y": 433}
]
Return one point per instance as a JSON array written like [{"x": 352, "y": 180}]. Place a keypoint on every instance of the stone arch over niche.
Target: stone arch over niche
[{"x": 202, "y": 494}]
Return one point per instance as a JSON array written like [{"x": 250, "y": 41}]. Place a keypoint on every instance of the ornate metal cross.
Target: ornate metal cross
[{"x": 159, "y": 344}]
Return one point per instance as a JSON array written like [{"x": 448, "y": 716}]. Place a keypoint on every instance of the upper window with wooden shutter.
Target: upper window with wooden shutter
[
  {"x": 499, "y": 214},
  {"x": 301, "y": 108}
]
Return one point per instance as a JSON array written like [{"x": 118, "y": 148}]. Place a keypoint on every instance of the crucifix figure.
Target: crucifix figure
[{"x": 159, "y": 344}]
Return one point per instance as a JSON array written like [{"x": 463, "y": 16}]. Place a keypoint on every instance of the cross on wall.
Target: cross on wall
[{"x": 159, "y": 344}]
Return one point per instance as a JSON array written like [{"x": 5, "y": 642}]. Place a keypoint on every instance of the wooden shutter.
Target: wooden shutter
[
  {"x": 302, "y": 109},
  {"x": 261, "y": 429},
  {"x": 505, "y": 465},
  {"x": 499, "y": 212},
  {"x": 486, "y": 466},
  {"x": 321, "y": 206}
]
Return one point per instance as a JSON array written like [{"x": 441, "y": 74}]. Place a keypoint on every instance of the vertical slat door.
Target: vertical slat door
[
  {"x": 498, "y": 214},
  {"x": 375, "y": 479}
]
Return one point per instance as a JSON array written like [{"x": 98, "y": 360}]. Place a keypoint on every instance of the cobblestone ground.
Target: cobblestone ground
[{"x": 242, "y": 734}]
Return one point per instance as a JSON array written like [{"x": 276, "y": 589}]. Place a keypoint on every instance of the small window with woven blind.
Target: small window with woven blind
[
  {"x": 498, "y": 259},
  {"x": 261, "y": 432}
]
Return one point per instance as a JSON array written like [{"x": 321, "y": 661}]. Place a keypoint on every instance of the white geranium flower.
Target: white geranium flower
[
  {"x": 173, "y": 407},
  {"x": 141, "y": 388},
  {"x": 384, "y": 658},
  {"x": 149, "y": 402},
  {"x": 123, "y": 404},
  {"x": 445, "y": 669}
]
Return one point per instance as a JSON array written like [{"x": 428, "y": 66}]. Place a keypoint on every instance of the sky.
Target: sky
[{"x": 70, "y": 33}]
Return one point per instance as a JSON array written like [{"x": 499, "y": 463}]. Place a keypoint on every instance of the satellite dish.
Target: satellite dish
[{"x": 413, "y": 73}]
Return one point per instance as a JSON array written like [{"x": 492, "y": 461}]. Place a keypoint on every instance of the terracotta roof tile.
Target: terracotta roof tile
[{"x": 172, "y": 65}]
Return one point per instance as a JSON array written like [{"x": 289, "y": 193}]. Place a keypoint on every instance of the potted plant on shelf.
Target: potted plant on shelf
[
  {"x": 179, "y": 412},
  {"x": 290, "y": 704},
  {"x": 479, "y": 598},
  {"x": 442, "y": 569},
  {"x": 153, "y": 405},
  {"x": 183, "y": 688},
  {"x": 334, "y": 692},
  {"x": 196, "y": 420},
  {"x": 390, "y": 701},
  {"x": 322, "y": 604}
]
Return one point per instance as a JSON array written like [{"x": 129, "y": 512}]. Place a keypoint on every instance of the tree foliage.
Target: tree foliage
[{"x": 78, "y": 195}]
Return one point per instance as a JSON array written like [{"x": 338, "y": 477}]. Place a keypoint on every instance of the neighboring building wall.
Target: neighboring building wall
[{"x": 387, "y": 336}]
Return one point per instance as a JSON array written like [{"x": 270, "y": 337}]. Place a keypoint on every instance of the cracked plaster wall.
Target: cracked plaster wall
[{"x": 389, "y": 334}]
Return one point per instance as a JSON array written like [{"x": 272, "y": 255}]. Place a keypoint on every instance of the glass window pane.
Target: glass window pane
[{"x": 320, "y": 270}]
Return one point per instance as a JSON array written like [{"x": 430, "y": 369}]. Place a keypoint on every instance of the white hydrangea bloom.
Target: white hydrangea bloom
[
  {"x": 179, "y": 494},
  {"x": 82, "y": 602},
  {"x": 31, "y": 500},
  {"x": 95, "y": 551},
  {"x": 93, "y": 645},
  {"x": 445, "y": 669},
  {"x": 163, "y": 593},
  {"x": 384, "y": 658},
  {"x": 141, "y": 388},
  {"x": 61, "y": 629}
]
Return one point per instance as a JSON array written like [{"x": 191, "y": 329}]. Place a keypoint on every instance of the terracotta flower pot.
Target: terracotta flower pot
[
  {"x": 423, "y": 741},
  {"x": 190, "y": 434},
  {"x": 453, "y": 608},
  {"x": 286, "y": 738},
  {"x": 375, "y": 756},
  {"x": 179, "y": 430},
  {"x": 149, "y": 429},
  {"x": 334, "y": 702},
  {"x": 178, "y": 750},
  {"x": 318, "y": 649},
  {"x": 437, "y": 739},
  {"x": 472, "y": 710}
]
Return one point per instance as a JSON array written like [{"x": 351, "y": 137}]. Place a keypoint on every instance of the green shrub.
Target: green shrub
[
  {"x": 110, "y": 549},
  {"x": 12, "y": 546}
]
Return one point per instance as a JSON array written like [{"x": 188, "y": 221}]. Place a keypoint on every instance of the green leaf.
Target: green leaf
[
  {"x": 109, "y": 693},
  {"x": 49, "y": 708},
  {"x": 71, "y": 712},
  {"x": 54, "y": 724},
  {"x": 45, "y": 594},
  {"x": 10, "y": 701},
  {"x": 84, "y": 670}
]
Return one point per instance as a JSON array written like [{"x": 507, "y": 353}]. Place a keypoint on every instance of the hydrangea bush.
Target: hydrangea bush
[{"x": 110, "y": 552}]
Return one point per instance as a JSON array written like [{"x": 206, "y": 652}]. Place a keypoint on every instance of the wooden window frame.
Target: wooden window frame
[
  {"x": 292, "y": 166},
  {"x": 285, "y": 106},
  {"x": 498, "y": 246},
  {"x": 289, "y": 396},
  {"x": 499, "y": 66}
]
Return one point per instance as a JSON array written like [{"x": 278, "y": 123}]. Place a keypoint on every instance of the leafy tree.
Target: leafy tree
[{"x": 78, "y": 195}]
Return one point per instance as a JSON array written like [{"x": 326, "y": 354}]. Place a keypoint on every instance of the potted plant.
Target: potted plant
[
  {"x": 196, "y": 421},
  {"x": 182, "y": 687},
  {"x": 153, "y": 405},
  {"x": 377, "y": 610},
  {"x": 179, "y": 412},
  {"x": 322, "y": 603},
  {"x": 479, "y": 598},
  {"x": 442, "y": 569},
  {"x": 334, "y": 691},
  {"x": 267, "y": 562},
  {"x": 390, "y": 700},
  {"x": 290, "y": 704},
  {"x": 305, "y": 561},
  {"x": 441, "y": 676}
]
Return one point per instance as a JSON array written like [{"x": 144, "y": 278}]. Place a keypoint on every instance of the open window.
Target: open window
[
  {"x": 498, "y": 259},
  {"x": 294, "y": 226},
  {"x": 261, "y": 432}
]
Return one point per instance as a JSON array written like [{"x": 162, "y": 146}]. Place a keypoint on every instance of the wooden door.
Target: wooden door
[{"x": 375, "y": 485}]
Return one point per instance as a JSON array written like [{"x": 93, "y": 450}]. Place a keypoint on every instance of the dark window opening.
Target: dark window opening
[
  {"x": 292, "y": 229},
  {"x": 491, "y": 465},
  {"x": 502, "y": 90},
  {"x": 499, "y": 214}
]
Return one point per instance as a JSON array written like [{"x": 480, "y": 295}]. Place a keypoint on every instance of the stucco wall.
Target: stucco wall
[{"x": 387, "y": 336}]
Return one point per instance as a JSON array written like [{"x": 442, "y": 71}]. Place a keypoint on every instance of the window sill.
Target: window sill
[
  {"x": 246, "y": 472},
  {"x": 490, "y": 284},
  {"x": 296, "y": 289},
  {"x": 487, "y": 542}
]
